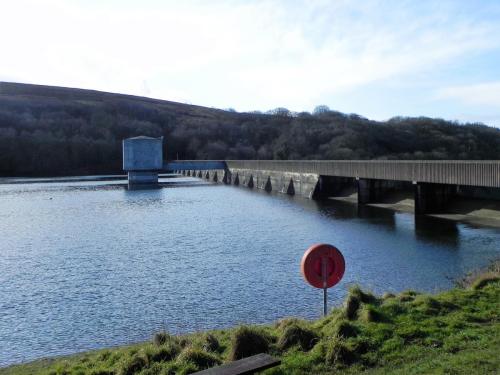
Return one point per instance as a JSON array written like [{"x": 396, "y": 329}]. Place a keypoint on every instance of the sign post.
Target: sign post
[{"x": 323, "y": 267}]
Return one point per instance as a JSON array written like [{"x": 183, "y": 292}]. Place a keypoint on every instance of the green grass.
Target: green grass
[{"x": 454, "y": 332}]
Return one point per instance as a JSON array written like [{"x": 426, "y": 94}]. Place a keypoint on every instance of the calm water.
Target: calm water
[{"x": 87, "y": 265}]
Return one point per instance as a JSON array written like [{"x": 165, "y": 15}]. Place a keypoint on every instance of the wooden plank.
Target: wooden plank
[{"x": 243, "y": 366}]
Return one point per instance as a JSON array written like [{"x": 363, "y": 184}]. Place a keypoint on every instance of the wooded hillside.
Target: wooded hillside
[{"x": 61, "y": 131}]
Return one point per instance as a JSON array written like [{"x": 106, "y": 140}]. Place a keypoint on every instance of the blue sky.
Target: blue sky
[{"x": 376, "y": 58}]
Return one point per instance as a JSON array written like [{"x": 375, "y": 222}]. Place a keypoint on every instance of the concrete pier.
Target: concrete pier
[
  {"x": 373, "y": 190},
  {"x": 432, "y": 198},
  {"x": 334, "y": 186}
]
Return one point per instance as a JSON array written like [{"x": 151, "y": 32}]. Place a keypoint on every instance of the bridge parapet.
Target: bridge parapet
[{"x": 199, "y": 165}]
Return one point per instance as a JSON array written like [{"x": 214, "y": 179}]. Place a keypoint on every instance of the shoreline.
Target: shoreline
[
  {"x": 479, "y": 213},
  {"x": 362, "y": 317},
  {"x": 91, "y": 178}
]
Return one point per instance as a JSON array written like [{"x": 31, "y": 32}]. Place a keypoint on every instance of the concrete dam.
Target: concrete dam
[{"x": 432, "y": 183}]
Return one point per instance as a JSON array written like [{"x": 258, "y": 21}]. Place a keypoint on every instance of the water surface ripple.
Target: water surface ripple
[{"x": 89, "y": 265}]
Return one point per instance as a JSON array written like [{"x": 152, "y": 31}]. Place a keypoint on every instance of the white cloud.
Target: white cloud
[
  {"x": 487, "y": 94},
  {"x": 247, "y": 55},
  {"x": 491, "y": 120}
]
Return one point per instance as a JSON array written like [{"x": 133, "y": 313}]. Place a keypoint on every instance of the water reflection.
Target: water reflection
[
  {"x": 437, "y": 231},
  {"x": 340, "y": 210},
  {"x": 426, "y": 228}
]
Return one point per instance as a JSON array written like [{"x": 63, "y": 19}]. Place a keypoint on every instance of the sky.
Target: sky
[{"x": 376, "y": 58}]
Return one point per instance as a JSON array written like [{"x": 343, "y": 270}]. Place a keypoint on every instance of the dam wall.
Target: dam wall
[{"x": 303, "y": 184}]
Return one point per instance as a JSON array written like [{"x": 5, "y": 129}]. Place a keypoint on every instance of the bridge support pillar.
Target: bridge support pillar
[
  {"x": 375, "y": 191},
  {"x": 227, "y": 177},
  {"x": 432, "y": 198},
  {"x": 333, "y": 186},
  {"x": 369, "y": 190}
]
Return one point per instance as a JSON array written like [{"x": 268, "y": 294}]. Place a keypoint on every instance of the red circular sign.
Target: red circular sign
[{"x": 322, "y": 266}]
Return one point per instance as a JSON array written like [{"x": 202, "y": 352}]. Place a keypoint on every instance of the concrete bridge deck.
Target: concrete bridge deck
[{"x": 480, "y": 173}]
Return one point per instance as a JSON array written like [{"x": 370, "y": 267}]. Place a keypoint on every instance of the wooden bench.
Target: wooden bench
[{"x": 248, "y": 365}]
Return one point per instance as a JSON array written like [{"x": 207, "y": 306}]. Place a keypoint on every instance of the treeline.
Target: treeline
[{"x": 57, "y": 131}]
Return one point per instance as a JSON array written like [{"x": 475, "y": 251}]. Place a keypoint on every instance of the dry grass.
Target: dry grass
[
  {"x": 296, "y": 335},
  {"x": 247, "y": 341},
  {"x": 478, "y": 278}
]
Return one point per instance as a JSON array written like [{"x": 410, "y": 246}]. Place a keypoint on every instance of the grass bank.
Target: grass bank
[{"x": 453, "y": 332}]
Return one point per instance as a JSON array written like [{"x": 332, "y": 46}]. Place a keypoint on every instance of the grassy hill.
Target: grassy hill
[
  {"x": 48, "y": 130},
  {"x": 454, "y": 332}
]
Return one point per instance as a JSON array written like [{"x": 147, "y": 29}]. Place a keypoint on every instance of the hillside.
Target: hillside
[{"x": 48, "y": 130}]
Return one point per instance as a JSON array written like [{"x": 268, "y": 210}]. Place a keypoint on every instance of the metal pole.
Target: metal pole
[
  {"x": 324, "y": 301},
  {"x": 324, "y": 276}
]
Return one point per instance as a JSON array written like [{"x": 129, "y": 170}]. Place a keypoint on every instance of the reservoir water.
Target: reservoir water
[{"x": 86, "y": 265}]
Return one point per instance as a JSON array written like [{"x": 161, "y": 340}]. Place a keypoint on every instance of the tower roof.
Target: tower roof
[{"x": 142, "y": 137}]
